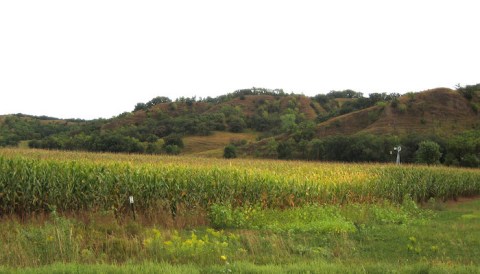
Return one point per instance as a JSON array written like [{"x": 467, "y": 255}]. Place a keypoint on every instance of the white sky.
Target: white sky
[{"x": 89, "y": 59}]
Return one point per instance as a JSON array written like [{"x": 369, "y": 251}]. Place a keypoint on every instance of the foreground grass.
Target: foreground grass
[
  {"x": 356, "y": 238},
  {"x": 246, "y": 267}
]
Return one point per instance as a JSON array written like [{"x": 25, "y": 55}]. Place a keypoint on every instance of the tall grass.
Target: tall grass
[{"x": 353, "y": 234}]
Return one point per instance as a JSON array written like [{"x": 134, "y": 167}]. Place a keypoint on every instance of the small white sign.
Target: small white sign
[{"x": 131, "y": 199}]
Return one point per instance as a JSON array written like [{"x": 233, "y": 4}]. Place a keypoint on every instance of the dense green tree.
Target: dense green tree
[
  {"x": 140, "y": 106},
  {"x": 451, "y": 160},
  {"x": 152, "y": 148},
  {"x": 336, "y": 148},
  {"x": 428, "y": 153},
  {"x": 304, "y": 131},
  {"x": 9, "y": 140},
  {"x": 316, "y": 149},
  {"x": 348, "y": 93},
  {"x": 151, "y": 138},
  {"x": 117, "y": 143},
  {"x": 301, "y": 148},
  {"x": 230, "y": 111},
  {"x": 158, "y": 100},
  {"x": 173, "y": 140},
  {"x": 215, "y": 121},
  {"x": 285, "y": 149},
  {"x": 470, "y": 160},
  {"x": 236, "y": 124},
  {"x": 288, "y": 122},
  {"x": 172, "y": 149},
  {"x": 409, "y": 145},
  {"x": 469, "y": 91},
  {"x": 271, "y": 148},
  {"x": 459, "y": 146}
]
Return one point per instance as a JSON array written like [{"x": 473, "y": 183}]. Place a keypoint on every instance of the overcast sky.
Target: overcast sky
[{"x": 90, "y": 59}]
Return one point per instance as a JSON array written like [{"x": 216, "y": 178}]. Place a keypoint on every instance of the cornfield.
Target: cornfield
[{"x": 36, "y": 180}]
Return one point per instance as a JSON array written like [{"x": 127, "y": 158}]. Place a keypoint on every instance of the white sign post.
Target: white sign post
[{"x": 132, "y": 206}]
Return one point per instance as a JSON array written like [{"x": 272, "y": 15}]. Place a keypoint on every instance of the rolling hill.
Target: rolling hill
[
  {"x": 438, "y": 111},
  {"x": 256, "y": 116}
]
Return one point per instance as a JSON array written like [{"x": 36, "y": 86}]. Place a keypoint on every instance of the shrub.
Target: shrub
[
  {"x": 153, "y": 148},
  {"x": 172, "y": 106},
  {"x": 222, "y": 216},
  {"x": 394, "y": 103},
  {"x": 475, "y": 107},
  {"x": 173, "y": 140},
  {"x": 236, "y": 124},
  {"x": 230, "y": 151},
  {"x": 238, "y": 142},
  {"x": 172, "y": 149},
  {"x": 382, "y": 104},
  {"x": 402, "y": 108}
]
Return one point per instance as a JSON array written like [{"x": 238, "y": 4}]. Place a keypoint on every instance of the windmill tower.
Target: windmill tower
[{"x": 398, "y": 149}]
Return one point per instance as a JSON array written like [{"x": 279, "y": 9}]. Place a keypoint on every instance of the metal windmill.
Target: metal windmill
[{"x": 398, "y": 149}]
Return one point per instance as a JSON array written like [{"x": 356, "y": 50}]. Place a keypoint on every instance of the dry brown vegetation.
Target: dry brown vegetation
[
  {"x": 216, "y": 141},
  {"x": 439, "y": 111}
]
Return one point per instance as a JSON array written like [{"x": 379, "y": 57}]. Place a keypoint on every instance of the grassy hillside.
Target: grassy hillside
[
  {"x": 250, "y": 104},
  {"x": 366, "y": 130},
  {"x": 20, "y": 127},
  {"x": 247, "y": 105},
  {"x": 438, "y": 111}
]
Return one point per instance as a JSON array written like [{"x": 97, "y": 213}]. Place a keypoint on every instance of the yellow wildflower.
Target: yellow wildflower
[{"x": 147, "y": 241}]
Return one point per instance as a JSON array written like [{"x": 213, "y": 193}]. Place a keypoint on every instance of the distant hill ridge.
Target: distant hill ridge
[
  {"x": 261, "y": 114},
  {"x": 439, "y": 111}
]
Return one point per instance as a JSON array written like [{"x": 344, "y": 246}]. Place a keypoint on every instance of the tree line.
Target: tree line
[{"x": 459, "y": 150}]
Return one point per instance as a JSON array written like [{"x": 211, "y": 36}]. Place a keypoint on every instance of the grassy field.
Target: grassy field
[
  {"x": 213, "y": 145},
  {"x": 358, "y": 238},
  {"x": 68, "y": 212}
]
